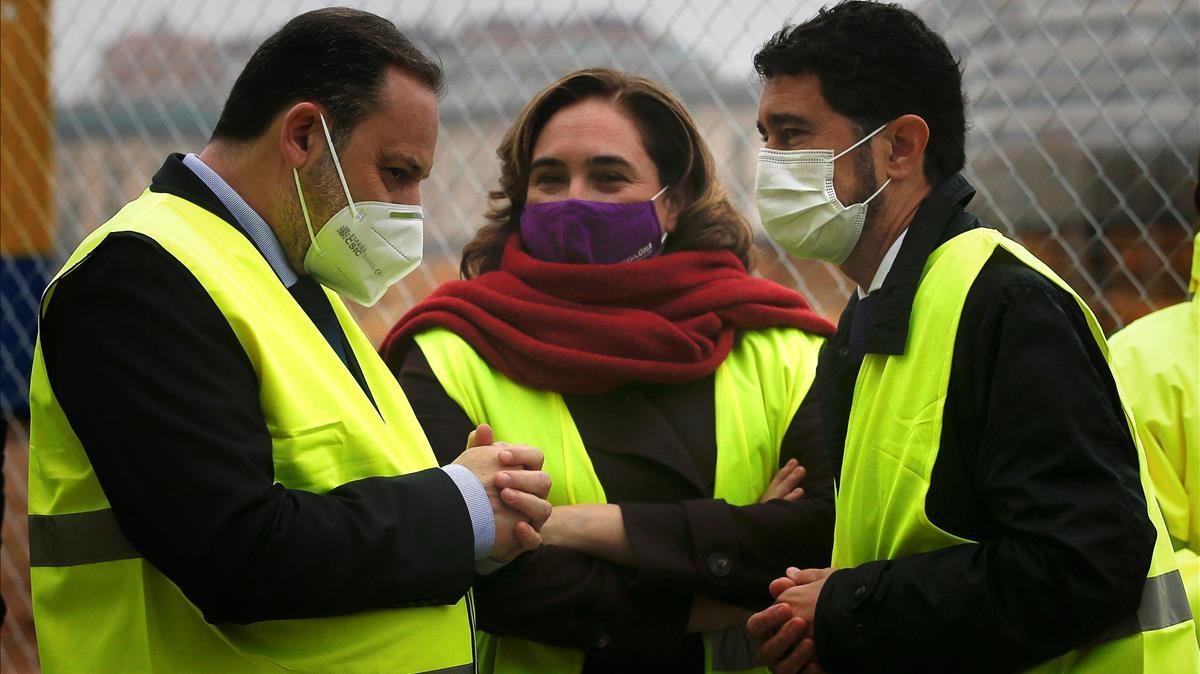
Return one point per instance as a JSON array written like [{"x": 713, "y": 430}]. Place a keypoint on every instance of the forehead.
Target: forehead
[
  {"x": 589, "y": 128},
  {"x": 796, "y": 95},
  {"x": 405, "y": 120}
]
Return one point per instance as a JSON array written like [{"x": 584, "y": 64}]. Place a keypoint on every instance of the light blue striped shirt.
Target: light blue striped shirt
[
  {"x": 483, "y": 522},
  {"x": 247, "y": 218}
]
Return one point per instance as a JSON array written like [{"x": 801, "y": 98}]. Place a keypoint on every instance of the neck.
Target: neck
[
  {"x": 253, "y": 173},
  {"x": 878, "y": 236}
]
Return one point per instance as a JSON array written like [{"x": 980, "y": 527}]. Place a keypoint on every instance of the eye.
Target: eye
[
  {"x": 611, "y": 177},
  {"x": 397, "y": 173},
  {"x": 547, "y": 179},
  {"x": 791, "y": 136}
]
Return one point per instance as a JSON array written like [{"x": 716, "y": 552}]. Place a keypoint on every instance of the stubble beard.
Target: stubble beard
[
  {"x": 322, "y": 194},
  {"x": 864, "y": 175}
]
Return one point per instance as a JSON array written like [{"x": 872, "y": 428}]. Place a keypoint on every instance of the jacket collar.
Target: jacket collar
[
  {"x": 939, "y": 218},
  {"x": 173, "y": 177}
]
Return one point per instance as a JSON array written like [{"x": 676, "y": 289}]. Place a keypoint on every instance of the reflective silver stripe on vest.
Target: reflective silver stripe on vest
[
  {"x": 91, "y": 537},
  {"x": 77, "y": 538},
  {"x": 1164, "y": 603},
  {"x": 732, "y": 650}
]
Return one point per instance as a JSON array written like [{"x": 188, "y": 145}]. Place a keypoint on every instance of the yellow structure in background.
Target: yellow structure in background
[{"x": 26, "y": 133}]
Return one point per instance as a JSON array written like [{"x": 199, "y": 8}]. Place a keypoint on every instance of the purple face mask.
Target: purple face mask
[{"x": 591, "y": 232}]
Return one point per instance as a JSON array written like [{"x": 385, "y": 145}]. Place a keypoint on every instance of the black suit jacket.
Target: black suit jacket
[{"x": 160, "y": 392}]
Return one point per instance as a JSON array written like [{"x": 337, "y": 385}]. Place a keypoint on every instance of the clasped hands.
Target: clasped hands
[
  {"x": 517, "y": 490},
  {"x": 785, "y": 629},
  {"x": 516, "y": 487}
]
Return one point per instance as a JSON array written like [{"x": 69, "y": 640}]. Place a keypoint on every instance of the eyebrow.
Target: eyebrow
[
  {"x": 546, "y": 161},
  {"x": 610, "y": 160},
  {"x": 785, "y": 118},
  {"x": 599, "y": 160}
]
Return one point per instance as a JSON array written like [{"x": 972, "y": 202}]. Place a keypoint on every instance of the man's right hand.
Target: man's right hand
[{"x": 516, "y": 487}]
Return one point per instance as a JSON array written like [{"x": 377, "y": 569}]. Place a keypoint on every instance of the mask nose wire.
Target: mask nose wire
[{"x": 338, "y": 165}]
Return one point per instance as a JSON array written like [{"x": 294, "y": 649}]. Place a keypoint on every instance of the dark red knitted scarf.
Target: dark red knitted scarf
[{"x": 583, "y": 329}]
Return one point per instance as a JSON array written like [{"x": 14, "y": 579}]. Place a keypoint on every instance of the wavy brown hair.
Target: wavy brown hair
[{"x": 707, "y": 221}]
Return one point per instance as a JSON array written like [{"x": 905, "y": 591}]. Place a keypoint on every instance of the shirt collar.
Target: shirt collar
[
  {"x": 260, "y": 233},
  {"x": 940, "y": 218},
  {"x": 885, "y": 266}
]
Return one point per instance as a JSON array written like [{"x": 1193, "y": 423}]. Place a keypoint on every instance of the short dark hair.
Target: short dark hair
[
  {"x": 876, "y": 62},
  {"x": 335, "y": 57}
]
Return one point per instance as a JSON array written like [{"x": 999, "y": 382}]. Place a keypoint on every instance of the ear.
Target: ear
[
  {"x": 905, "y": 158},
  {"x": 669, "y": 206},
  {"x": 300, "y": 134}
]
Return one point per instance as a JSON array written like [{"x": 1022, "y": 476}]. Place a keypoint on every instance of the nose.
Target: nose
[
  {"x": 409, "y": 194},
  {"x": 579, "y": 188}
]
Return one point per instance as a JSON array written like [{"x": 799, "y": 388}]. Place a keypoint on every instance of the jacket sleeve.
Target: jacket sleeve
[
  {"x": 562, "y": 597},
  {"x": 1066, "y": 540},
  {"x": 156, "y": 386},
  {"x": 732, "y": 553}
]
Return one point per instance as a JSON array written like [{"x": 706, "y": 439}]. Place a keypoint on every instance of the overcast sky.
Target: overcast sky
[{"x": 727, "y": 31}]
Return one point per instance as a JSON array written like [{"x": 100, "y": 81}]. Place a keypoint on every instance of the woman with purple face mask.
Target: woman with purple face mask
[{"x": 607, "y": 317}]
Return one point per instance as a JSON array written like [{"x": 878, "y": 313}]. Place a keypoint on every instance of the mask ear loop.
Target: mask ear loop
[
  {"x": 860, "y": 142},
  {"x": 304, "y": 209},
  {"x": 663, "y": 240},
  {"x": 885, "y": 184},
  {"x": 338, "y": 165}
]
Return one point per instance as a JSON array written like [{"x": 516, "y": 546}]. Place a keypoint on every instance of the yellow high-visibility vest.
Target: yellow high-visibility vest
[
  {"x": 1157, "y": 360},
  {"x": 101, "y": 607},
  {"x": 757, "y": 391},
  {"x": 893, "y": 437}
]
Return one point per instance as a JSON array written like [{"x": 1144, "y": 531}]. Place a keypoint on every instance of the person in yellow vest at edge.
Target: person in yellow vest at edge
[
  {"x": 994, "y": 512},
  {"x": 223, "y": 474},
  {"x": 670, "y": 389},
  {"x": 1157, "y": 361}
]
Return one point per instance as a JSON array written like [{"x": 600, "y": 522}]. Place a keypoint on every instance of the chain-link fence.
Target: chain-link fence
[{"x": 1084, "y": 138}]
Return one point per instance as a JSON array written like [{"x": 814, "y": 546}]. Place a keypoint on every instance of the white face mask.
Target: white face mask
[
  {"x": 800, "y": 210},
  {"x": 365, "y": 247}
]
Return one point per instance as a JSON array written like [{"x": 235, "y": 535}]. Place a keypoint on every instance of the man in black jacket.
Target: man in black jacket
[
  {"x": 161, "y": 381},
  {"x": 1031, "y": 535}
]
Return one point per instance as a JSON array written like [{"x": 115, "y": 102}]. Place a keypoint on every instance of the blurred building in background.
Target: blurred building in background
[
  {"x": 1084, "y": 140},
  {"x": 1084, "y": 137}
]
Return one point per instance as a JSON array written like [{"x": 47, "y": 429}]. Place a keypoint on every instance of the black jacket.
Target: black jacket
[
  {"x": 160, "y": 392},
  {"x": 1036, "y": 463}
]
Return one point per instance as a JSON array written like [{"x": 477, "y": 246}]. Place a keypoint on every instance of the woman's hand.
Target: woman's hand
[
  {"x": 786, "y": 483},
  {"x": 596, "y": 529}
]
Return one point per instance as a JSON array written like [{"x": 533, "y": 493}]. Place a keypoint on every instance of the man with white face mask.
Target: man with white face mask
[
  {"x": 993, "y": 508},
  {"x": 224, "y": 476}
]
